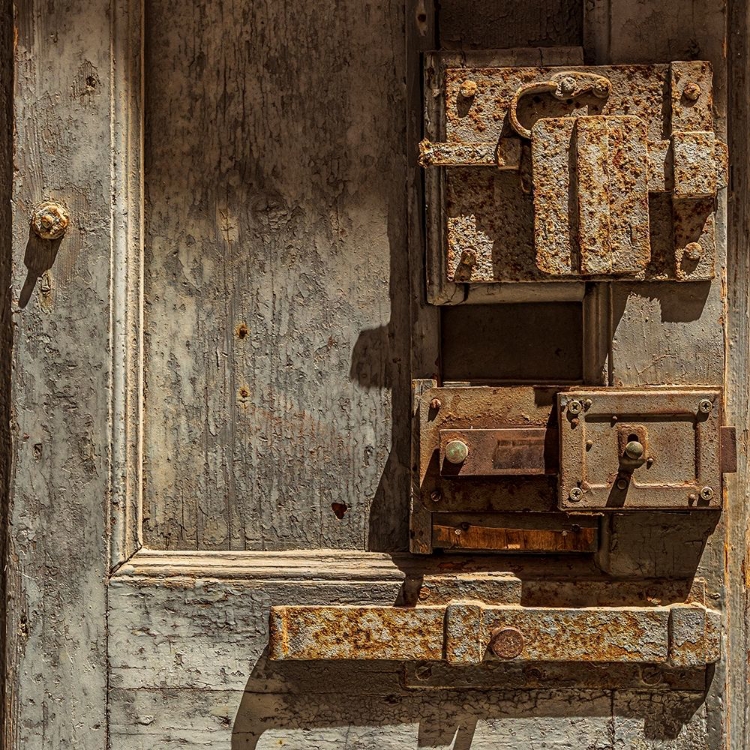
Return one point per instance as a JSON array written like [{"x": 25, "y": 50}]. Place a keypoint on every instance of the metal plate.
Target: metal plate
[
  {"x": 487, "y": 215},
  {"x": 681, "y": 464}
]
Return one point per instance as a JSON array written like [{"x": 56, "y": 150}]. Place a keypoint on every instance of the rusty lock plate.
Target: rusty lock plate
[
  {"x": 656, "y": 449},
  {"x": 553, "y": 173}
]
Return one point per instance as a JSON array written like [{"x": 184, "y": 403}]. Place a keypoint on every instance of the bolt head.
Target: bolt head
[
  {"x": 456, "y": 451},
  {"x": 50, "y": 220},
  {"x": 634, "y": 450},
  {"x": 506, "y": 643},
  {"x": 692, "y": 92},
  {"x": 707, "y": 493},
  {"x": 575, "y": 494},
  {"x": 622, "y": 484},
  {"x": 705, "y": 406},
  {"x": 693, "y": 251},
  {"x": 435, "y": 404},
  {"x": 468, "y": 89},
  {"x": 436, "y": 496},
  {"x": 601, "y": 89},
  {"x": 575, "y": 407},
  {"x": 567, "y": 85}
]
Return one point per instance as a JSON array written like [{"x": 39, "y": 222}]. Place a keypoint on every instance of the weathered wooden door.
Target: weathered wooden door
[{"x": 225, "y": 367}]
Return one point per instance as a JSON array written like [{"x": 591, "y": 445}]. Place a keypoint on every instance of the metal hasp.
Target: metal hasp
[
  {"x": 655, "y": 449},
  {"x": 471, "y": 632},
  {"x": 570, "y": 172}
]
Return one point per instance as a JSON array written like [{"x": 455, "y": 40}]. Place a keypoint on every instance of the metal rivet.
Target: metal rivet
[
  {"x": 50, "y": 220},
  {"x": 567, "y": 85},
  {"x": 693, "y": 251},
  {"x": 649, "y": 461},
  {"x": 707, "y": 493},
  {"x": 692, "y": 92},
  {"x": 435, "y": 404},
  {"x": 589, "y": 445},
  {"x": 456, "y": 451},
  {"x": 575, "y": 407},
  {"x": 587, "y": 403},
  {"x": 576, "y": 493},
  {"x": 601, "y": 89},
  {"x": 634, "y": 450},
  {"x": 692, "y": 497},
  {"x": 468, "y": 89},
  {"x": 705, "y": 405},
  {"x": 506, "y": 643},
  {"x": 436, "y": 496},
  {"x": 622, "y": 484}
]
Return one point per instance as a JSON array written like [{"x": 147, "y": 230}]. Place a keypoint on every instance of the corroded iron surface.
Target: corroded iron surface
[
  {"x": 468, "y": 632},
  {"x": 583, "y": 197},
  {"x": 678, "y": 429}
]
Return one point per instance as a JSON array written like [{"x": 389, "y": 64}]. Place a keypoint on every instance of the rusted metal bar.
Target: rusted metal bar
[
  {"x": 468, "y": 632},
  {"x": 504, "y": 154},
  {"x": 521, "y": 451}
]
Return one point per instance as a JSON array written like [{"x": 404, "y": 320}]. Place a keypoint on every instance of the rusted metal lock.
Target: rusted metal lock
[
  {"x": 517, "y": 468},
  {"x": 558, "y": 173}
]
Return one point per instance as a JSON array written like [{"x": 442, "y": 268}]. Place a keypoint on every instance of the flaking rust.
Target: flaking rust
[{"x": 602, "y": 145}]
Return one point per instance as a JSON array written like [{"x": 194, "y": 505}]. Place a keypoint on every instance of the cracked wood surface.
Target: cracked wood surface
[{"x": 316, "y": 166}]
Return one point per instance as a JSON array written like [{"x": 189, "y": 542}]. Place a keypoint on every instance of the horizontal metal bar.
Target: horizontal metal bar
[
  {"x": 508, "y": 451},
  {"x": 504, "y": 154},
  {"x": 468, "y": 632}
]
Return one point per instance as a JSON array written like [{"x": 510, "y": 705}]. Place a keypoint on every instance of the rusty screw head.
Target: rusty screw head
[
  {"x": 575, "y": 494},
  {"x": 692, "y": 92},
  {"x": 436, "y": 496},
  {"x": 456, "y": 451},
  {"x": 707, "y": 493},
  {"x": 622, "y": 484},
  {"x": 50, "y": 220},
  {"x": 506, "y": 643},
  {"x": 468, "y": 89},
  {"x": 634, "y": 450},
  {"x": 601, "y": 89},
  {"x": 693, "y": 251},
  {"x": 575, "y": 407},
  {"x": 705, "y": 406},
  {"x": 435, "y": 404}
]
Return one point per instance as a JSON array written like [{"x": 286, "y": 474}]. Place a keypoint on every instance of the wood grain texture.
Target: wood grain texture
[
  {"x": 277, "y": 296},
  {"x": 465, "y": 24},
  {"x": 737, "y": 380},
  {"x": 57, "y": 555},
  {"x": 189, "y": 670}
]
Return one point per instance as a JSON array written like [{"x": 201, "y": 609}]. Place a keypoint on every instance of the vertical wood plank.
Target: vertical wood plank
[
  {"x": 738, "y": 380},
  {"x": 57, "y": 560}
]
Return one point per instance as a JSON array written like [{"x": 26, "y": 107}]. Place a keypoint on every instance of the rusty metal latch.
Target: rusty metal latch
[
  {"x": 470, "y": 632},
  {"x": 616, "y": 167}
]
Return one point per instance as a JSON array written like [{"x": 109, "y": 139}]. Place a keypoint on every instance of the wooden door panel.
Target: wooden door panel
[{"x": 276, "y": 327}]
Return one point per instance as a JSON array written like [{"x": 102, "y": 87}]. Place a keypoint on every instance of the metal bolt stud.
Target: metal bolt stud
[
  {"x": 567, "y": 85},
  {"x": 575, "y": 407},
  {"x": 436, "y": 496},
  {"x": 50, "y": 220},
  {"x": 693, "y": 251},
  {"x": 468, "y": 89},
  {"x": 692, "y": 92},
  {"x": 435, "y": 404},
  {"x": 575, "y": 494},
  {"x": 707, "y": 493},
  {"x": 622, "y": 484},
  {"x": 456, "y": 451},
  {"x": 705, "y": 406},
  {"x": 634, "y": 450},
  {"x": 506, "y": 643}
]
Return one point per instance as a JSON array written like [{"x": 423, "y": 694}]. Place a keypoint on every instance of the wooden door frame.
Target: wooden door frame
[{"x": 121, "y": 556}]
